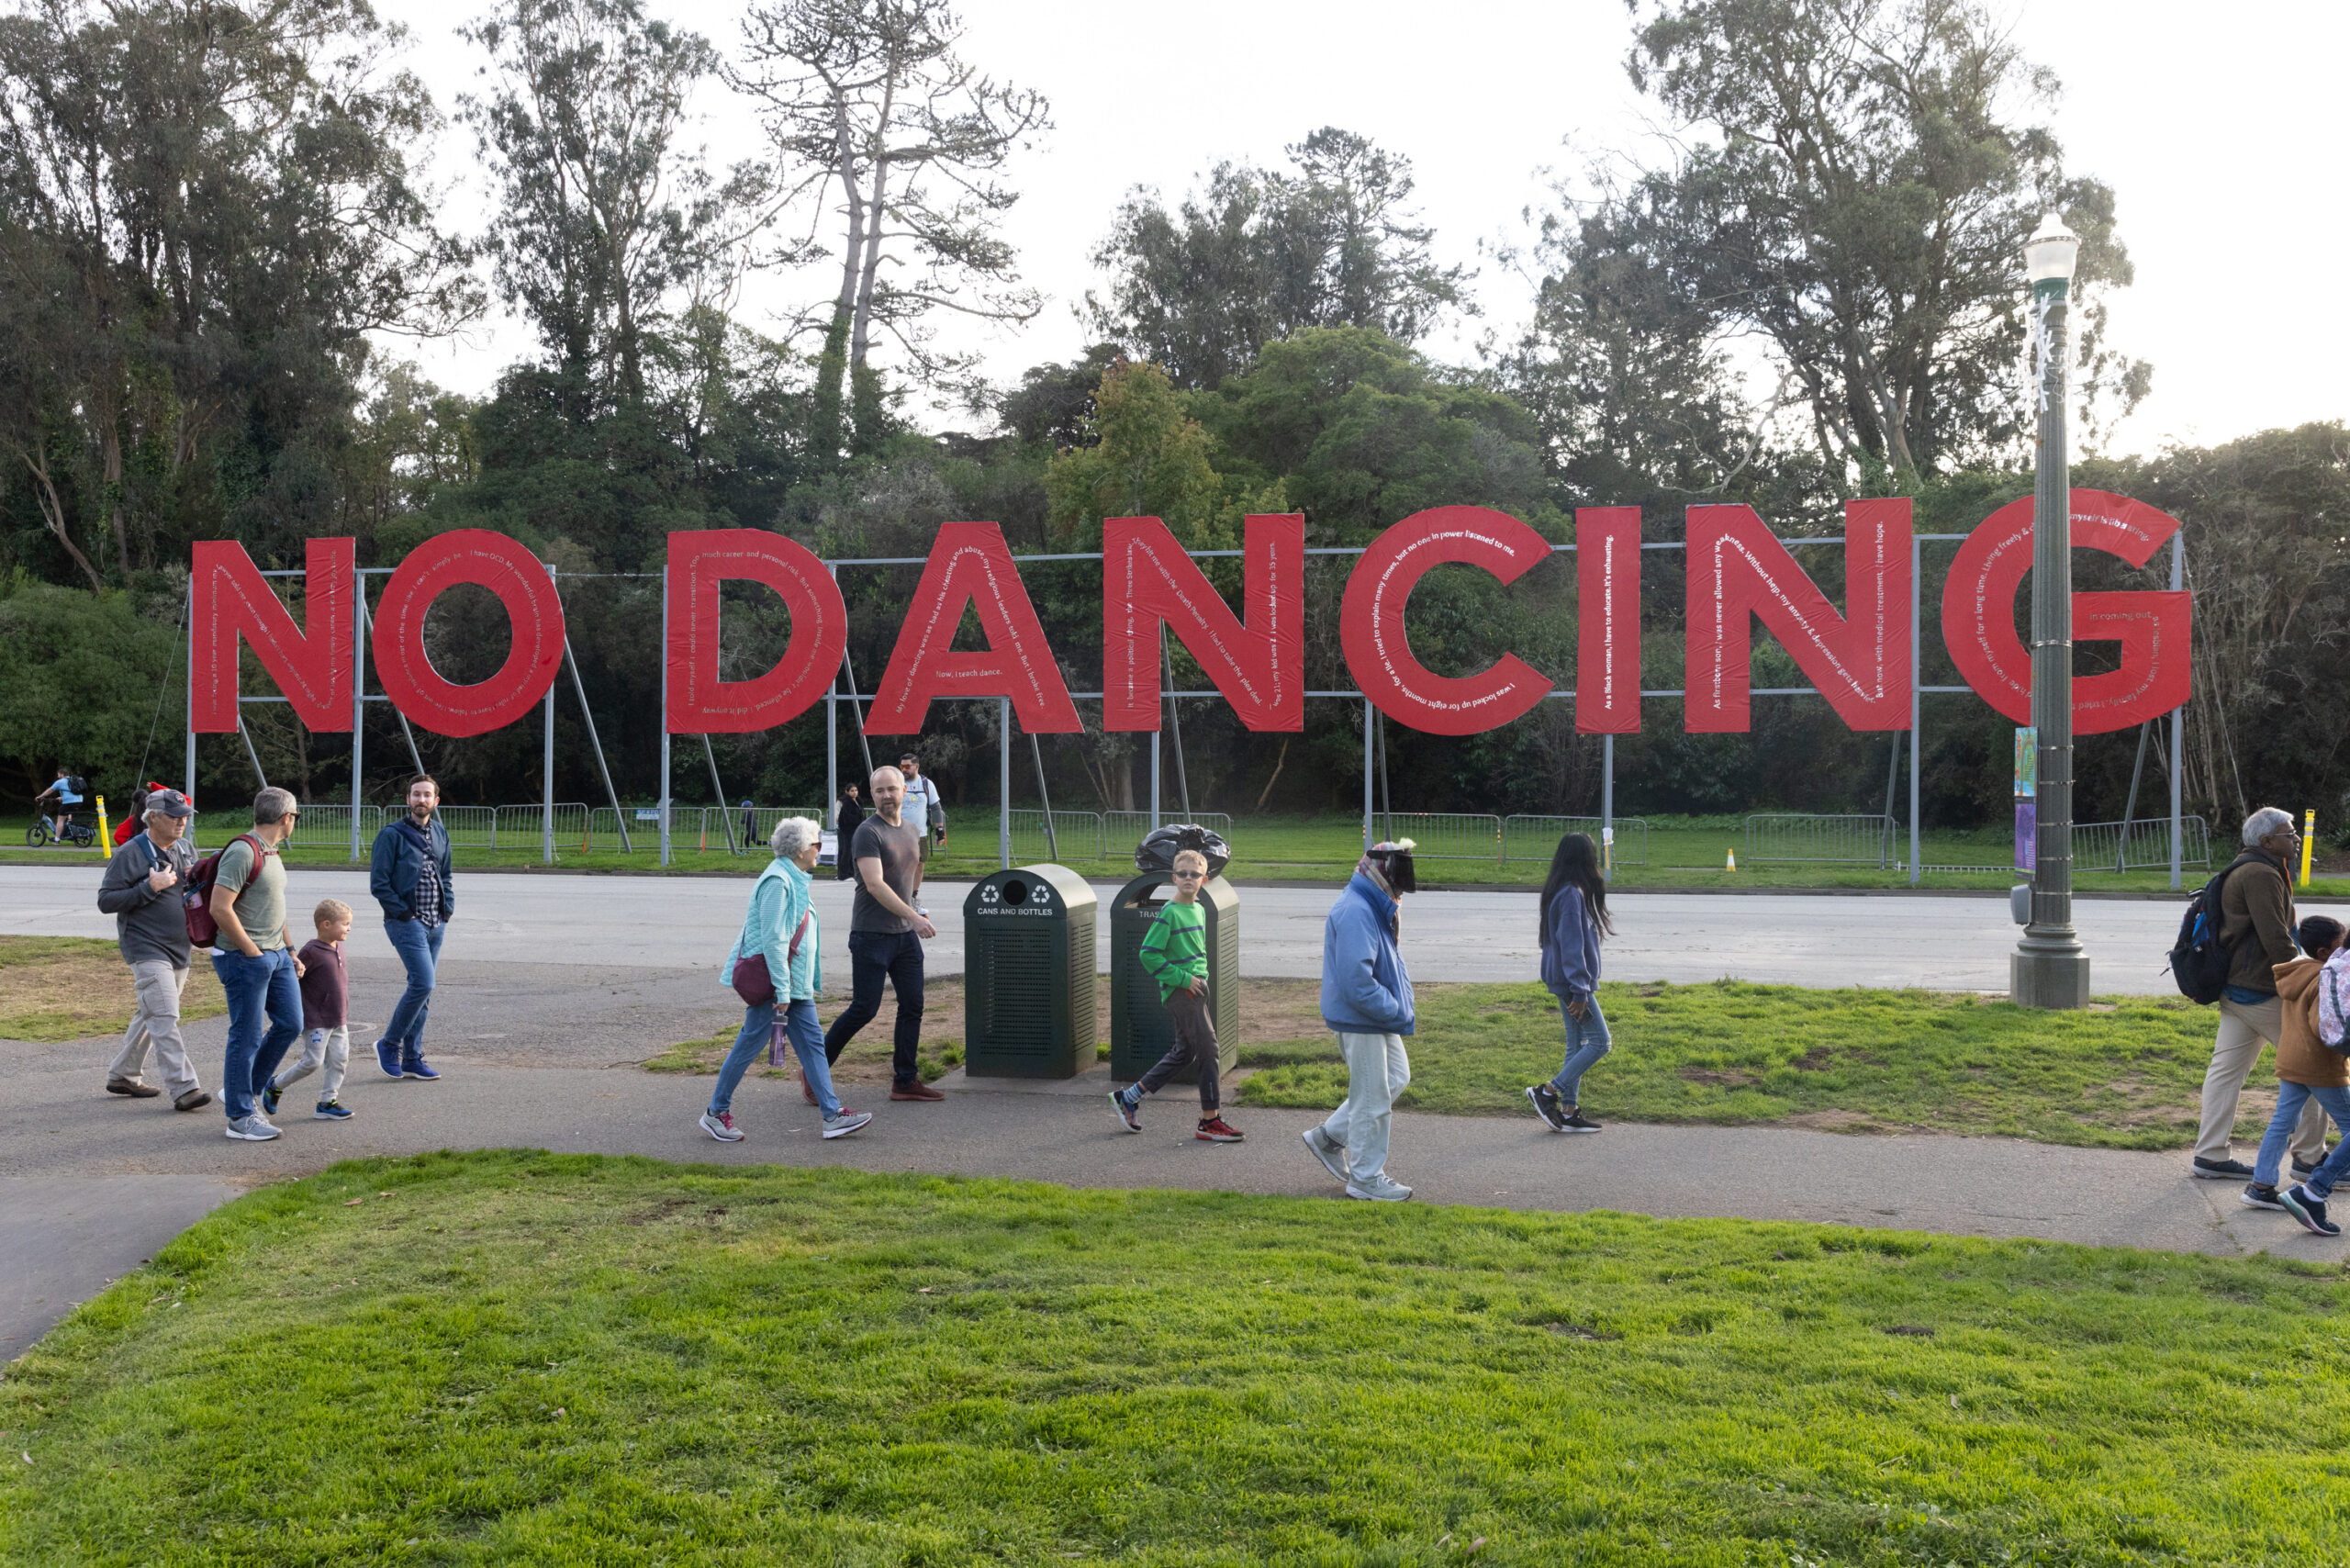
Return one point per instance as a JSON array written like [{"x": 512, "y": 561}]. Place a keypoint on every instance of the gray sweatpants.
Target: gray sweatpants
[
  {"x": 1377, "y": 1072},
  {"x": 156, "y": 1022},
  {"x": 331, "y": 1046}
]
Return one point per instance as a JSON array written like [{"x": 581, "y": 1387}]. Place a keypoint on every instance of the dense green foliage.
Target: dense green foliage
[{"x": 528, "y": 1357}]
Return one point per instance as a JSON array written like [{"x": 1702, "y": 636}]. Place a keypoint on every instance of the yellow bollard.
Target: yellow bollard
[
  {"x": 105, "y": 838},
  {"x": 2309, "y": 833}
]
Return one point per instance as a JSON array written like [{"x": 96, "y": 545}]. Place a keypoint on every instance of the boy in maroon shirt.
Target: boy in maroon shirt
[{"x": 326, "y": 1003}]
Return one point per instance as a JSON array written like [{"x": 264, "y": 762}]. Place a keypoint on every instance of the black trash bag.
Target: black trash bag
[{"x": 1156, "y": 852}]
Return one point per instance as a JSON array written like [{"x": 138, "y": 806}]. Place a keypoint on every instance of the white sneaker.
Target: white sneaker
[
  {"x": 253, "y": 1129},
  {"x": 1378, "y": 1189},
  {"x": 1326, "y": 1149},
  {"x": 722, "y": 1127},
  {"x": 847, "y": 1122}
]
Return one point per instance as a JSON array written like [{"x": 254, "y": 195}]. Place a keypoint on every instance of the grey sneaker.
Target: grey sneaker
[
  {"x": 719, "y": 1124},
  {"x": 252, "y": 1129},
  {"x": 846, "y": 1123},
  {"x": 1378, "y": 1189},
  {"x": 1326, "y": 1149}
]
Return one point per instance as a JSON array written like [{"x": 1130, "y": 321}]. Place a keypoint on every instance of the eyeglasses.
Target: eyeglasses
[{"x": 1189, "y": 876}]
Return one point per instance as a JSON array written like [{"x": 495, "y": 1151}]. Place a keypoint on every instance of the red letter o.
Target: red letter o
[{"x": 521, "y": 583}]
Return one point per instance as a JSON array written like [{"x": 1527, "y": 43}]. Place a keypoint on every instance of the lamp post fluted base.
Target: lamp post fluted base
[{"x": 2049, "y": 969}]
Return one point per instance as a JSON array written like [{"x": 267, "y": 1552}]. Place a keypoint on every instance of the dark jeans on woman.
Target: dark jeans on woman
[
  {"x": 260, "y": 991},
  {"x": 873, "y": 957},
  {"x": 1194, "y": 1041}
]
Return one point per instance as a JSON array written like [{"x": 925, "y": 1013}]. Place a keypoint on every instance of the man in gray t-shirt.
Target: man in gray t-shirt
[
  {"x": 885, "y": 935},
  {"x": 257, "y": 969}
]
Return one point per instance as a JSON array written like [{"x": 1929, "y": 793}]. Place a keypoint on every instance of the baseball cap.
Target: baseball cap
[{"x": 169, "y": 802}]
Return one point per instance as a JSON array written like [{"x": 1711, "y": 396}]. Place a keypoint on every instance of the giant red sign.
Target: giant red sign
[{"x": 1738, "y": 575}]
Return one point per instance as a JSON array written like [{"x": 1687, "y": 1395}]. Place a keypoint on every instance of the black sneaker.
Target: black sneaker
[
  {"x": 2310, "y": 1211},
  {"x": 1546, "y": 1105},
  {"x": 1579, "y": 1123},
  {"x": 1125, "y": 1109},
  {"x": 2303, "y": 1173},
  {"x": 2222, "y": 1170},
  {"x": 2256, "y": 1196}
]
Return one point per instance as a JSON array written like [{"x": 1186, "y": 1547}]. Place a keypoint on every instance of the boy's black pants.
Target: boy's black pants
[{"x": 1194, "y": 1041}]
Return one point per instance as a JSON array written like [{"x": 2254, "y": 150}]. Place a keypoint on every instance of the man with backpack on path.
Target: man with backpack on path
[
  {"x": 257, "y": 967},
  {"x": 408, "y": 872},
  {"x": 2255, "y": 910}
]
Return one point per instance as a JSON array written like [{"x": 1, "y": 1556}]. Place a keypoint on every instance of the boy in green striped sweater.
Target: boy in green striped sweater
[{"x": 1175, "y": 954}]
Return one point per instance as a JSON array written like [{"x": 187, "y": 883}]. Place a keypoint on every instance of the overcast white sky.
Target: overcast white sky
[{"x": 2214, "y": 125}]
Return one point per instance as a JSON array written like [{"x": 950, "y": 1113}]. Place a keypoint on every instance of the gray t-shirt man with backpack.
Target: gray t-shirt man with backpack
[
  {"x": 2255, "y": 907},
  {"x": 141, "y": 891}
]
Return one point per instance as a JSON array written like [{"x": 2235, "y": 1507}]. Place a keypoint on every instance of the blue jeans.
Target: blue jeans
[
  {"x": 419, "y": 947},
  {"x": 758, "y": 1025},
  {"x": 259, "y": 990},
  {"x": 2291, "y": 1097},
  {"x": 1586, "y": 1043}
]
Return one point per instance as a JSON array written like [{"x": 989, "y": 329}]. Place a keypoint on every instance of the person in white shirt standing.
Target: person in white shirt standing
[{"x": 924, "y": 811}]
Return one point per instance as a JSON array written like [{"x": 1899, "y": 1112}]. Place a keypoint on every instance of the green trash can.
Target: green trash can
[
  {"x": 1028, "y": 975},
  {"x": 1139, "y": 1031}
]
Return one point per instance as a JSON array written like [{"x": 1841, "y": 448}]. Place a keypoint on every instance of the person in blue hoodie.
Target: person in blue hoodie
[
  {"x": 407, "y": 870},
  {"x": 1574, "y": 917},
  {"x": 1367, "y": 998}
]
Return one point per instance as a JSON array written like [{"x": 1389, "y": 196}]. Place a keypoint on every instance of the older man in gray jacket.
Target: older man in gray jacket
[{"x": 141, "y": 891}]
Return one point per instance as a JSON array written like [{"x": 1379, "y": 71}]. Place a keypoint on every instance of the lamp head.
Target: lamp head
[{"x": 2051, "y": 253}]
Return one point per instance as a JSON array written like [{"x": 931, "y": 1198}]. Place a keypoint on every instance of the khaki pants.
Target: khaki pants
[
  {"x": 2244, "y": 1028},
  {"x": 157, "y": 1023}
]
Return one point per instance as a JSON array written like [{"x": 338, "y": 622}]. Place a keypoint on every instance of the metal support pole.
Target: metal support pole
[
  {"x": 1892, "y": 781},
  {"x": 2049, "y": 969},
  {"x": 2177, "y": 727},
  {"x": 367, "y": 624},
  {"x": 2130, "y": 806},
  {"x": 1916, "y": 703},
  {"x": 1174, "y": 723},
  {"x": 1155, "y": 771},
  {"x": 857, "y": 707},
  {"x": 546, "y": 760},
  {"x": 579, "y": 689},
  {"x": 358, "y": 704},
  {"x": 190, "y": 711},
  {"x": 1607, "y": 803},
  {"x": 1003, "y": 781},
  {"x": 664, "y": 716},
  {"x": 245, "y": 735},
  {"x": 1045, "y": 797},
  {"x": 1369, "y": 714},
  {"x": 832, "y": 741},
  {"x": 1386, "y": 796},
  {"x": 726, "y": 813}
]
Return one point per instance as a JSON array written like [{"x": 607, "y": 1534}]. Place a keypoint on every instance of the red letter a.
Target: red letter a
[
  {"x": 970, "y": 566},
  {"x": 1147, "y": 580},
  {"x": 233, "y": 600}
]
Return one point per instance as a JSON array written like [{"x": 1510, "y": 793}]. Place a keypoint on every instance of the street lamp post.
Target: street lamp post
[{"x": 2048, "y": 968}]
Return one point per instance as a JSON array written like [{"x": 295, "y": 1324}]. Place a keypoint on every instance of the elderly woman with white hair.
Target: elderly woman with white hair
[
  {"x": 774, "y": 967},
  {"x": 2256, "y": 928}
]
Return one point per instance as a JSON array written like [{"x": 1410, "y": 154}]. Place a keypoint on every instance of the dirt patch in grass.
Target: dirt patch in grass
[{"x": 73, "y": 987}]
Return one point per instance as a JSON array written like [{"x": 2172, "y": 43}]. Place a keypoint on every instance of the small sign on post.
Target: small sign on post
[{"x": 2027, "y": 798}]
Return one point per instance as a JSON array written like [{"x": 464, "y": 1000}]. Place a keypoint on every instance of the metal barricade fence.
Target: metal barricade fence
[
  {"x": 1536, "y": 839},
  {"x": 1076, "y": 835},
  {"x": 469, "y": 827},
  {"x": 324, "y": 825},
  {"x": 1857, "y": 840},
  {"x": 2139, "y": 844},
  {"x": 1443, "y": 835},
  {"x": 522, "y": 827},
  {"x": 1122, "y": 831}
]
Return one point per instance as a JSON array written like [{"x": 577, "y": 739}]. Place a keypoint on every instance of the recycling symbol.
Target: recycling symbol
[
  {"x": 1040, "y": 894},
  {"x": 988, "y": 894}
]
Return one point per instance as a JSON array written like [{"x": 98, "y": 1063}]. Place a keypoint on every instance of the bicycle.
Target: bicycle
[{"x": 77, "y": 835}]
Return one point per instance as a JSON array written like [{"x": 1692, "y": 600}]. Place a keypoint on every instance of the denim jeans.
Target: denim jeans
[
  {"x": 873, "y": 957},
  {"x": 2291, "y": 1098},
  {"x": 259, "y": 990},
  {"x": 1587, "y": 1041},
  {"x": 419, "y": 947},
  {"x": 758, "y": 1026}
]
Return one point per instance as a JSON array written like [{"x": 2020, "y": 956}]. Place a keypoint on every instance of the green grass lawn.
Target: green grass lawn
[
  {"x": 2126, "y": 1074},
  {"x": 523, "y": 1358}
]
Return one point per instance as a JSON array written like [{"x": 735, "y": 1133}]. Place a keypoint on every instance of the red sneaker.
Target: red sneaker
[{"x": 1215, "y": 1129}]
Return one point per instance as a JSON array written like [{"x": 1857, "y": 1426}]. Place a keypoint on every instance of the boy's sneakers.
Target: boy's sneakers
[
  {"x": 1378, "y": 1189},
  {"x": 2256, "y": 1196},
  {"x": 1328, "y": 1149},
  {"x": 1215, "y": 1129},
  {"x": 1576, "y": 1122},
  {"x": 722, "y": 1127},
  {"x": 2310, "y": 1211},
  {"x": 1125, "y": 1109},
  {"x": 331, "y": 1111},
  {"x": 837, "y": 1126},
  {"x": 1546, "y": 1105},
  {"x": 412, "y": 1065},
  {"x": 252, "y": 1129},
  {"x": 269, "y": 1098},
  {"x": 388, "y": 1057},
  {"x": 2220, "y": 1170}
]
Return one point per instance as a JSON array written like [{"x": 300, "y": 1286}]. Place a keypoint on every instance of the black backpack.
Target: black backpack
[{"x": 2198, "y": 962}]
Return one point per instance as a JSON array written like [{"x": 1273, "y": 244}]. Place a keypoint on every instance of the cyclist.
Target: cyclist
[{"x": 67, "y": 795}]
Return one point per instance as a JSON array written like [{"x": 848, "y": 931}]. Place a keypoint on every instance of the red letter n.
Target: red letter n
[
  {"x": 233, "y": 602},
  {"x": 1147, "y": 581}
]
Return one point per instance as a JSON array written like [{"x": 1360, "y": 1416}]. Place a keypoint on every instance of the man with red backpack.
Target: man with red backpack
[{"x": 256, "y": 964}]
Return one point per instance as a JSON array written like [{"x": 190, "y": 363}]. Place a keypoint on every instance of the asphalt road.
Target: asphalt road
[{"x": 681, "y": 923}]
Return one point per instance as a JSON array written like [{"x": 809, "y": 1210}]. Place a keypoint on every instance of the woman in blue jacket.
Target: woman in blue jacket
[{"x": 1574, "y": 917}]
